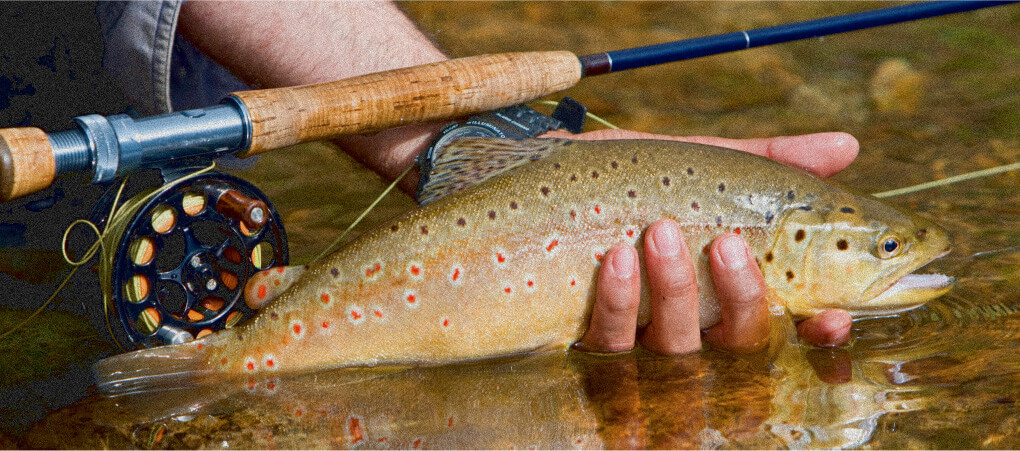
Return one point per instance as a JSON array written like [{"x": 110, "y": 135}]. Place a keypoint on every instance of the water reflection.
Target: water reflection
[{"x": 804, "y": 398}]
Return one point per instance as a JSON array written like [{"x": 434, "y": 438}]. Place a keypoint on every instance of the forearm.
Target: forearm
[{"x": 274, "y": 44}]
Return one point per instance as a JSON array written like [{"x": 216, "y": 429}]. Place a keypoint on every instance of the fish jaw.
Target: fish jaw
[{"x": 909, "y": 292}]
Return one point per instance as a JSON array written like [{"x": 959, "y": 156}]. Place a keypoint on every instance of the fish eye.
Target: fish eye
[{"x": 889, "y": 247}]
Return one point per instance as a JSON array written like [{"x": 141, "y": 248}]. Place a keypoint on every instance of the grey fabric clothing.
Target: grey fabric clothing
[{"x": 157, "y": 69}]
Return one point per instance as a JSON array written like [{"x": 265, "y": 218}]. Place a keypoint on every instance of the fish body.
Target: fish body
[{"x": 509, "y": 266}]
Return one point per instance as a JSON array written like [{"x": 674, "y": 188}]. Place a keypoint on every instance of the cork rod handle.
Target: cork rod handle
[
  {"x": 27, "y": 163},
  {"x": 285, "y": 116}
]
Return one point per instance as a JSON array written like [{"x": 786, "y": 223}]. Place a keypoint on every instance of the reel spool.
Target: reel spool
[{"x": 184, "y": 258}]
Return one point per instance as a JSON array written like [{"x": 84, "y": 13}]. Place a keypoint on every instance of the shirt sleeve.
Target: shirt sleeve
[{"x": 158, "y": 70}]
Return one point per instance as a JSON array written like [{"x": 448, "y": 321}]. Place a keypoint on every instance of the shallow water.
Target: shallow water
[{"x": 946, "y": 375}]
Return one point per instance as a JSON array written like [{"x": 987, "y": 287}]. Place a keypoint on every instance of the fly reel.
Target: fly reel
[{"x": 184, "y": 257}]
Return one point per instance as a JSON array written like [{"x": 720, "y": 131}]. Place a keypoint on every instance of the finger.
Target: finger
[
  {"x": 740, "y": 288},
  {"x": 618, "y": 293},
  {"x": 674, "y": 327},
  {"x": 823, "y": 154},
  {"x": 828, "y": 328}
]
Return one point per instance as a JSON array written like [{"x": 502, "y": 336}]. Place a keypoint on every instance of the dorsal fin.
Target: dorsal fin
[{"x": 469, "y": 161}]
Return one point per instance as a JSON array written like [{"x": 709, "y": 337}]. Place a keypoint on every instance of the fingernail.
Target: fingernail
[
  {"x": 733, "y": 253},
  {"x": 623, "y": 263},
  {"x": 666, "y": 239}
]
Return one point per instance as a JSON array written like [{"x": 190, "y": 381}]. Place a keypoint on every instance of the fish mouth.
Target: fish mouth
[{"x": 910, "y": 291}]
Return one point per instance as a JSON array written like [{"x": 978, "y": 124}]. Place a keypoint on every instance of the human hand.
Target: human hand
[{"x": 739, "y": 283}]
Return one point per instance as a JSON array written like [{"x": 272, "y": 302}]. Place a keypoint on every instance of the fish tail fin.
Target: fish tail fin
[{"x": 144, "y": 369}]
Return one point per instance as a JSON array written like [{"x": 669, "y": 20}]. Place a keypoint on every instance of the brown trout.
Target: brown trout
[{"x": 508, "y": 265}]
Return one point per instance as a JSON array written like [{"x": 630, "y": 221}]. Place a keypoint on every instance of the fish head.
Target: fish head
[{"x": 858, "y": 254}]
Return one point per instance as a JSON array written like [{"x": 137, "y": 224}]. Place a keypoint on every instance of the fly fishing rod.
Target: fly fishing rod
[{"x": 250, "y": 122}]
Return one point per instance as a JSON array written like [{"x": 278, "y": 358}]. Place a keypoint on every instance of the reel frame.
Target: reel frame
[{"x": 182, "y": 263}]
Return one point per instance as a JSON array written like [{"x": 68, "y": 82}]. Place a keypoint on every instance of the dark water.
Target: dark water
[{"x": 926, "y": 100}]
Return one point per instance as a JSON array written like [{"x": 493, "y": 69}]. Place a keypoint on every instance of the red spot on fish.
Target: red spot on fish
[
  {"x": 552, "y": 245},
  {"x": 271, "y": 385},
  {"x": 417, "y": 443},
  {"x": 299, "y": 412},
  {"x": 276, "y": 282},
  {"x": 598, "y": 210},
  {"x": 297, "y": 329},
  {"x": 270, "y": 363},
  {"x": 446, "y": 322},
  {"x": 251, "y": 366},
  {"x": 325, "y": 324},
  {"x": 531, "y": 283},
  {"x": 737, "y": 230},
  {"x": 354, "y": 426},
  {"x": 500, "y": 258},
  {"x": 573, "y": 215},
  {"x": 415, "y": 270},
  {"x": 200, "y": 346},
  {"x": 450, "y": 423},
  {"x": 325, "y": 298},
  {"x": 356, "y": 315},
  {"x": 598, "y": 256},
  {"x": 223, "y": 361},
  {"x": 280, "y": 270},
  {"x": 377, "y": 313},
  {"x": 573, "y": 282},
  {"x": 507, "y": 290},
  {"x": 383, "y": 439},
  {"x": 372, "y": 270},
  {"x": 630, "y": 232},
  {"x": 262, "y": 291},
  {"x": 251, "y": 383},
  {"x": 411, "y": 298}
]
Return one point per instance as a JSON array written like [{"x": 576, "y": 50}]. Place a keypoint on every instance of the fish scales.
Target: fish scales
[{"x": 509, "y": 266}]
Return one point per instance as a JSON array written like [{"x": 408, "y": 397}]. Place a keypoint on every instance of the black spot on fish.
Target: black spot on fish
[
  {"x": 768, "y": 257},
  {"x": 805, "y": 207},
  {"x": 695, "y": 206},
  {"x": 769, "y": 216},
  {"x": 461, "y": 222},
  {"x": 573, "y": 214},
  {"x": 633, "y": 159},
  {"x": 573, "y": 177},
  {"x": 718, "y": 221},
  {"x": 492, "y": 214},
  {"x": 545, "y": 191},
  {"x": 513, "y": 205},
  {"x": 594, "y": 174},
  {"x": 789, "y": 275},
  {"x": 613, "y": 165},
  {"x": 665, "y": 181},
  {"x": 690, "y": 171},
  {"x": 921, "y": 234},
  {"x": 335, "y": 272},
  {"x": 790, "y": 195},
  {"x": 722, "y": 187},
  {"x": 842, "y": 245},
  {"x": 799, "y": 236},
  {"x": 847, "y": 210},
  {"x": 273, "y": 315},
  {"x": 394, "y": 227},
  {"x": 556, "y": 165},
  {"x": 424, "y": 230},
  {"x": 631, "y": 194},
  {"x": 240, "y": 337}
]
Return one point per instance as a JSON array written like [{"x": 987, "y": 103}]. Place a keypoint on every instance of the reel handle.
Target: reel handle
[
  {"x": 285, "y": 116},
  {"x": 27, "y": 162}
]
